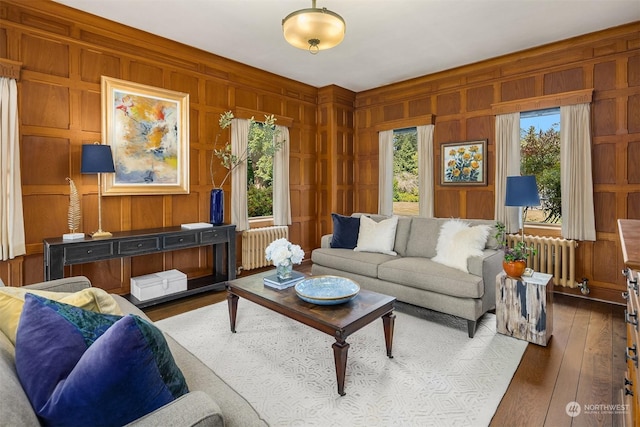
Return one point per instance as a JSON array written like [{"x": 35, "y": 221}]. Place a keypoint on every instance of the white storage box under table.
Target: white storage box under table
[{"x": 156, "y": 285}]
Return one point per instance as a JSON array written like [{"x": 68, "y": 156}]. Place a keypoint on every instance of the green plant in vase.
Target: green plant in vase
[{"x": 515, "y": 258}]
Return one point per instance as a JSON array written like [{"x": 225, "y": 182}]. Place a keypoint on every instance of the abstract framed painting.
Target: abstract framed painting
[
  {"x": 148, "y": 131},
  {"x": 463, "y": 163}
]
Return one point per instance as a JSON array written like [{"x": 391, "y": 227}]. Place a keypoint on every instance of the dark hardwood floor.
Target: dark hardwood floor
[{"x": 584, "y": 362}]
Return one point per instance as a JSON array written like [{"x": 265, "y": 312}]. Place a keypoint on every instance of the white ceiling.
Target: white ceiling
[{"x": 386, "y": 40}]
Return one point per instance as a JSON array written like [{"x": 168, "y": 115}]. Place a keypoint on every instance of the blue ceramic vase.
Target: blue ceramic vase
[{"x": 216, "y": 208}]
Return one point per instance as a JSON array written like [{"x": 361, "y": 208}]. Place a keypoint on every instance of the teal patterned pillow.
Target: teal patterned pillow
[{"x": 84, "y": 368}]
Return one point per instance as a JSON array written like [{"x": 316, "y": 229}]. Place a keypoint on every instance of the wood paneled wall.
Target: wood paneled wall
[
  {"x": 336, "y": 155},
  {"x": 64, "y": 53},
  {"x": 461, "y": 99},
  {"x": 334, "y": 132}
]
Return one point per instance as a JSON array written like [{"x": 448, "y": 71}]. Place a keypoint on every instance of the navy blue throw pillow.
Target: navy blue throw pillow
[{"x": 345, "y": 231}]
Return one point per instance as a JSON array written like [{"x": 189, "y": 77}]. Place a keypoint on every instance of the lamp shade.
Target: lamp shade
[
  {"x": 96, "y": 158},
  {"x": 314, "y": 28},
  {"x": 522, "y": 191}
]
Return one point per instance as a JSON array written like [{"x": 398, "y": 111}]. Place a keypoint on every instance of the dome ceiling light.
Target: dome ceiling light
[{"x": 314, "y": 29}]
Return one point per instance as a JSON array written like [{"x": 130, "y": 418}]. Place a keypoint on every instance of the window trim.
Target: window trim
[{"x": 543, "y": 102}]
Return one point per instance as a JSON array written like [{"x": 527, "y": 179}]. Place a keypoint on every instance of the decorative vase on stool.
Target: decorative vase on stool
[
  {"x": 514, "y": 268},
  {"x": 216, "y": 208}
]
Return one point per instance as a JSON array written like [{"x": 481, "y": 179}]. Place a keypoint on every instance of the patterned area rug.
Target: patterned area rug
[{"x": 437, "y": 377}]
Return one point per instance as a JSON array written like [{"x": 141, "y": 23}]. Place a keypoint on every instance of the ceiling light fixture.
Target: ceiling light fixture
[{"x": 314, "y": 29}]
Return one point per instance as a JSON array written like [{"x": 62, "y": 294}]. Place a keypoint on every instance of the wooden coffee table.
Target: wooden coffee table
[{"x": 339, "y": 321}]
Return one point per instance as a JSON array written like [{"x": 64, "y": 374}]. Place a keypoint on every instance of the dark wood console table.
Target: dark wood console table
[{"x": 58, "y": 253}]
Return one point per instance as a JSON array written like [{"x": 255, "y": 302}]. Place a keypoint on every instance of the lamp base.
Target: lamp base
[{"x": 101, "y": 234}]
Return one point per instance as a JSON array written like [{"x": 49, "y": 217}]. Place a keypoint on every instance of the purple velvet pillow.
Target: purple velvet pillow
[{"x": 82, "y": 368}]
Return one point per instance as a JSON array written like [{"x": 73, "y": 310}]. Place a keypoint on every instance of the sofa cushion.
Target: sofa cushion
[
  {"x": 423, "y": 237},
  {"x": 345, "y": 231},
  {"x": 423, "y": 273},
  {"x": 492, "y": 242},
  {"x": 12, "y": 301},
  {"x": 377, "y": 236},
  {"x": 402, "y": 230},
  {"x": 458, "y": 241},
  {"x": 362, "y": 263},
  {"x": 14, "y": 404},
  {"x": 84, "y": 368}
]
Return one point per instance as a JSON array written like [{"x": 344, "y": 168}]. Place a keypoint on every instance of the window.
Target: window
[
  {"x": 405, "y": 172},
  {"x": 540, "y": 156},
  {"x": 260, "y": 171}
]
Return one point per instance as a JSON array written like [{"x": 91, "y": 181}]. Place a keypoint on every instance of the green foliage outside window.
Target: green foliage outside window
[
  {"x": 540, "y": 156},
  {"x": 405, "y": 166},
  {"x": 260, "y": 201}
]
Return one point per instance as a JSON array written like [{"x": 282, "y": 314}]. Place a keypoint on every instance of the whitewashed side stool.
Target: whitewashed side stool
[{"x": 524, "y": 307}]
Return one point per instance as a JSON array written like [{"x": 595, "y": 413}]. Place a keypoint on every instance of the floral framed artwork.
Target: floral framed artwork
[
  {"x": 463, "y": 163},
  {"x": 147, "y": 129}
]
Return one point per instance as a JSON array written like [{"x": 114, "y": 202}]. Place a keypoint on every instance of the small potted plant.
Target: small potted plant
[{"x": 515, "y": 258}]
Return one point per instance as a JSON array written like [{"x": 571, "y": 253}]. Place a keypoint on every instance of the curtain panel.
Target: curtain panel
[
  {"x": 385, "y": 176},
  {"x": 507, "y": 164},
  {"x": 576, "y": 182},
  {"x": 239, "y": 146},
  {"x": 425, "y": 170},
  {"x": 281, "y": 197},
  {"x": 12, "y": 239}
]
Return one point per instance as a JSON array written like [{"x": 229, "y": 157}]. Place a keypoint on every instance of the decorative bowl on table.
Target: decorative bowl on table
[{"x": 327, "y": 290}]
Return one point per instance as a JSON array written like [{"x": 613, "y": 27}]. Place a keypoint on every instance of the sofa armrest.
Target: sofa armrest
[
  {"x": 491, "y": 266},
  {"x": 67, "y": 284},
  {"x": 192, "y": 409},
  {"x": 325, "y": 241}
]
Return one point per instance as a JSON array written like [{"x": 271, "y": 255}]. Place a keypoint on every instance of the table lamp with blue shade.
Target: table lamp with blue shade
[
  {"x": 97, "y": 159},
  {"x": 522, "y": 191}
]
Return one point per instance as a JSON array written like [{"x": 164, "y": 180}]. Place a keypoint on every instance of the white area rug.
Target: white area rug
[{"x": 438, "y": 376}]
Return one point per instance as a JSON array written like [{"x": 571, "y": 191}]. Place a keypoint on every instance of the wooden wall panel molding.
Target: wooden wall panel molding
[
  {"x": 531, "y": 61},
  {"x": 426, "y": 119},
  {"x": 10, "y": 69},
  {"x": 541, "y": 102},
  {"x": 246, "y": 113}
]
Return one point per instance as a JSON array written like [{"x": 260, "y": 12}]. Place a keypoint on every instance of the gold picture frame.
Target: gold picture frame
[
  {"x": 148, "y": 131},
  {"x": 463, "y": 163}
]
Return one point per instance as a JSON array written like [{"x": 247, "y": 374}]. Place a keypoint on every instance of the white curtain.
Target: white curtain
[
  {"x": 239, "y": 145},
  {"x": 385, "y": 177},
  {"x": 12, "y": 241},
  {"x": 507, "y": 164},
  {"x": 576, "y": 183},
  {"x": 425, "y": 170},
  {"x": 281, "y": 199}
]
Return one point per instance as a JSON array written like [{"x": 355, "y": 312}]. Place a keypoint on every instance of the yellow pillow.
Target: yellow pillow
[{"x": 12, "y": 301}]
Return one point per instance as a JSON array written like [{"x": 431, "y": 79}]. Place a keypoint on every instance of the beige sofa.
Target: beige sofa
[
  {"x": 413, "y": 277},
  {"x": 210, "y": 402}
]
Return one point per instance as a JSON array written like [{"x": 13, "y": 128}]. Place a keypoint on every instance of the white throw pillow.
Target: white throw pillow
[
  {"x": 377, "y": 236},
  {"x": 458, "y": 241}
]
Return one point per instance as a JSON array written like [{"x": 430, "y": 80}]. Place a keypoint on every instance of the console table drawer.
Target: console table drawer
[
  {"x": 183, "y": 240},
  {"x": 140, "y": 246},
  {"x": 213, "y": 236},
  {"x": 85, "y": 253}
]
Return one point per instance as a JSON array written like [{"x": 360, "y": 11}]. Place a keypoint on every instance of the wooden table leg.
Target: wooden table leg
[
  {"x": 340, "y": 350},
  {"x": 388, "y": 321},
  {"x": 232, "y": 301}
]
